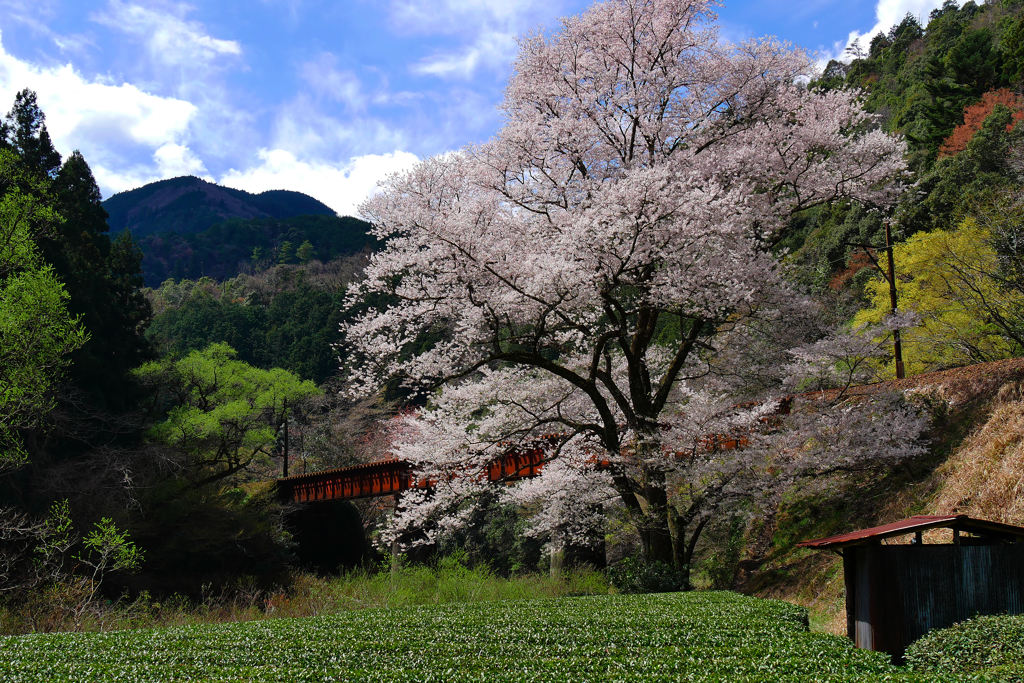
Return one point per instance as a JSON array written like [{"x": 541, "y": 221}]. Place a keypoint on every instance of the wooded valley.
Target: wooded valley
[{"x": 638, "y": 268}]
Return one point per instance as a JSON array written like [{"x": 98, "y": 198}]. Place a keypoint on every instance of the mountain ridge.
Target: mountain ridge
[{"x": 188, "y": 204}]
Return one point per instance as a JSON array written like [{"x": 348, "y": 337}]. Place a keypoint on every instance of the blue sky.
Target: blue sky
[{"x": 320, "y": 96}]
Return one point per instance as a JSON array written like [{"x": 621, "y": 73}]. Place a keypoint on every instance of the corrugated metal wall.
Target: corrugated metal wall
[{"x": 899, "y": 593}]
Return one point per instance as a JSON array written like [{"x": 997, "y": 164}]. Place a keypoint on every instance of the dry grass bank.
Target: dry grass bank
[
  {"x": 984, "y": 477},
  {"x": 976, "y": 468}
]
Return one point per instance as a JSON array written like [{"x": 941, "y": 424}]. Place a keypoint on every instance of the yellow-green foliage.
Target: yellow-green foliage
[
  {"x": 37, "y": 333},
  {"x": 225, "y": 412},
  {"x": 947, "y": 277}
]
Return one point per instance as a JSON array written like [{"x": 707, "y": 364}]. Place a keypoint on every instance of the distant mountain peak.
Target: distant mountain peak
[{"x": 189, "y": 204}]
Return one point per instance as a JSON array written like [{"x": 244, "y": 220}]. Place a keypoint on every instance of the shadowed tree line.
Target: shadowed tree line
[{"x": 151, "y": 431}]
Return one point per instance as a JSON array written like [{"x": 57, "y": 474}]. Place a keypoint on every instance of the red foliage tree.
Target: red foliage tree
[{"x": 975, "y": 115}]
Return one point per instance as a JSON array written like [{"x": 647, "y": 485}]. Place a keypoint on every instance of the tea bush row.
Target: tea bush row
[
  {"x": 666, "y": 637},
  {"x": 993, "y": 643}
]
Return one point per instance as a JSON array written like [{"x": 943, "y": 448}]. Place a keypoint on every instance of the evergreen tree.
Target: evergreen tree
[
  {"x": 103, "y": 283},
  {"x": 284, "y": 252},
  {"x": 23, "y": 131},
  {"x": 305, "y": 252},
  {"x": 1013, "y": 52}
]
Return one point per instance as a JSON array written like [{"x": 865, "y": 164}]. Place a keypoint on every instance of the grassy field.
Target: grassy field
[
  {"x": 305, "y": 595},
  {"x": 667, "y": 637}
]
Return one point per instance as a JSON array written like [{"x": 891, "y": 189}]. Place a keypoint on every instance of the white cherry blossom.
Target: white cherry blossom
[{"x": 573, "y": 265}]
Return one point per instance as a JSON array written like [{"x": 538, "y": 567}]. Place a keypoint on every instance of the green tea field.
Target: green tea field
[{"x": 667, "y": 637}]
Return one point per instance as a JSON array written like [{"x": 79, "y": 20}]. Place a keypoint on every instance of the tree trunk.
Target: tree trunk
[
  {"x": 684, "y": 547},
  {"x": 655, "y": 533},
  {"x": 557, "y": 561},
  {"x": 396, "y": 550},
  {"x": 678, "y": 525}
]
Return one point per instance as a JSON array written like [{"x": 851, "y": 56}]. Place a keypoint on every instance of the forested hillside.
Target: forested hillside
[
  {"x": 951, "y": 87},
  {"x": 189, "y": 228},
  {"x": 189, "y": 204},
  {"x": 94, "y": 387},
  {"x": 226, "y": 249},
  {"x": 951, "y": 84},
  {"x": 285, "y": 316}
]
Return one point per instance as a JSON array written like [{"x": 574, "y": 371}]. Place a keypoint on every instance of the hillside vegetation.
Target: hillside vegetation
[
  {"x": 189, "y": 228},
  {"x": 189, "y": 204},
  {"x": 974, "y": 467},
  {"x": 286, "y": 316},
  {"x": 238, "y": 245},
  {"x": 950, "y": 83}
]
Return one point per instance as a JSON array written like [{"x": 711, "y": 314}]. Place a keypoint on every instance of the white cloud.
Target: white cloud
[
  {"x": 492, "y": 24},
  {"x": 303, "y": 128},
  {"x": 341, "y": 85},
  {"x": 113, "y": 125},
  {"x": 168, "y": 161},
  {"x": 888, "y": 13},
  {"x": 341, "y": 186},
  {"x": 170, "y": 39},
  {"x": 175, "y": 160},
  {"x": 459, "y": 16},
  {"x": 171, "y": 54},
  {"x": 493, "y": 49}
]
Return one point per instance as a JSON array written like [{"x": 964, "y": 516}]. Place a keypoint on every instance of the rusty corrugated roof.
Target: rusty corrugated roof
[
  {"x": 391, "y": 462},
  {"x": 913, "y": 524}
]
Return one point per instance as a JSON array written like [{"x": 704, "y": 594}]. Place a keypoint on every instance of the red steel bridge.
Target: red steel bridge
[{"x": 392, "y": 477}]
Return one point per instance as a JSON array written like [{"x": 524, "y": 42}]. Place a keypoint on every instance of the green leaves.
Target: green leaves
[
  {"x": 36, "y": 336},
  {"x": 36, "y": 331},
  {"x": 973, "y": 645},
  {"x": 223, "y": 412},
  {"x": 107, "y": 548}
]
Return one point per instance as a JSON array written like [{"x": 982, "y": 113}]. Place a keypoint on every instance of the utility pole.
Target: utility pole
[
  {"x": 285, "y": 474},
  {"x": 897, "y": 347},
  {"x": 890, "y": 276}
]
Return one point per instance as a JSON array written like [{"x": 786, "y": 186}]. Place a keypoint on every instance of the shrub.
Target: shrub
[
  {"x": 633, "y": 575},
  {"x": 992, "y": 643}
]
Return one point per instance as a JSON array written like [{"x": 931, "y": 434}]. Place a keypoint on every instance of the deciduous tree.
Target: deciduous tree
[
  {"x": 952, "y": 280},
  {"x": 37, "y": 333},
  {"x": 578, "y": 261},
  {"x": 223, "y": 413},
  {"x": 975, "y": 115}
]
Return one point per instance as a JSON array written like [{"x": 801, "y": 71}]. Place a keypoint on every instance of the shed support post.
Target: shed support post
[{"x": 849, "y": 579}]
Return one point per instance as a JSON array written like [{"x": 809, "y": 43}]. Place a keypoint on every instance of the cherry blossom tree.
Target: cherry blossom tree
[
  {"x": 846, "y": 357},
  {"x": 572, "y": 268}
]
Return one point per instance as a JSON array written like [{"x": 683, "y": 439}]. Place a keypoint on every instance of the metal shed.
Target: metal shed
[{"x": 897, "y": 591}]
